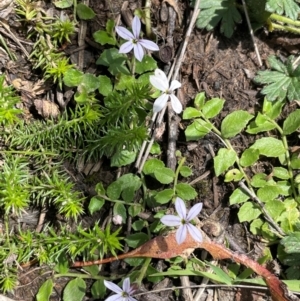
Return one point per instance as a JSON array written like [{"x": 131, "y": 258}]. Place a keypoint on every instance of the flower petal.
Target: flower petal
[
  {"x": 195, "y": 233},
  {"x": 194, "y": 211},
  {"x": 114, "y": 298},
  {"x": 113, "y": 287},
  {"x": 171, "y": 220},
  {"x": 162, "y": 75},
  {"x": 148, "y": 45},
  {"x": 175, "y": 84},
  {"x": 138, "y": 52},
  {"x": 136, "y": 26},
  {"x": 180, "y": 208},
  {"x": 126, "y": 285},
  {"x": 124, "y": 33},
  {"x": 176, "y": 104},
  {"x": 159, "y": 83},
  {"x": 126, "y": 47},
  {"x": 160, "y": 103},
  {"x": 181, "y": 234}
]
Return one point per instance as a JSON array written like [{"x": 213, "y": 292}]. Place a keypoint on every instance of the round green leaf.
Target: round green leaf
[
  {"x": 45, "y": 291},
  {"x": 185, "y": 171},
  {"x": 164, "y": 175},
  {"x": 185, "y": 191},
  {"x": 105, "y": 85},
  {"x": 238, "y": 196},
  {"x": 96, "y": 204},
  {"x": 151, "y": 165},
  {"x": 137, "y": 239},
  {"x": 119, "y": 209},
  {"x": 84, "y": 12},
  {"x": 74, "y": 290},
  {"x": 225, "y": 159},
  {"x": 164, "y": 196},
  {"x": 248, "y": 212},
  {"x": 249, "y": 157},
  {"x": 269, "y": 147},
  {"x": 213, "y": 107},
  {"x": 72, "y": 77}
]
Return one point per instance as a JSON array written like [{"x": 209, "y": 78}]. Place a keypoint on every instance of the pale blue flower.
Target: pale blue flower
[
  {"x": 121, "y": 294},
  {"x": 134, "y": 41},
  {"x": 183, "y": 221},
  {"x": 160, "y": 81}
]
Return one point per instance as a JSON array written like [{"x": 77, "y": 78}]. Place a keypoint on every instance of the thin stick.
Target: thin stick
[{"x": 251, "y": 33}]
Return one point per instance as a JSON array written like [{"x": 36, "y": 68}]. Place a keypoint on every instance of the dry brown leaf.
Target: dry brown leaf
[
  {"x": 174, "y": 4},
  {"x": 46, "y": 108}
]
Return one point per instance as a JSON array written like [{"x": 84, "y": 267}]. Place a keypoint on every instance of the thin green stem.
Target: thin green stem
[
  {"x": 117, "y": 201},
  {"x": 285, "y": 28},
  {"x": 181, "y": 162},
  {"x": 143, "y": 271},
  {"x": 284, "y": 20}
]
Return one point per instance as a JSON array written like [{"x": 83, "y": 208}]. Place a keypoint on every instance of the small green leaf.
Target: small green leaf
[
  {"x": 84, "y": 12},
  {"x": 272, "y": 109},
  {"x": 151, "y": 165},
  {"x": 213, "y": 107},
  {"x": 281, "y": 173},
  {"x": 119, "y": 209},
  {"x": 138, "y": 225},
  {"x": 137, "y": 239},
  {"x": 248, "y": 212},
  {"x": 90, "y": 81},
  {"x": 63, "y": 3},
  {"x": 190, "y": 113},
  {"x": 105, "y": 85},
  {"x": 275, "y": 209},
  {"x": 269, "y": 146},
  {"x": 233, "y": 123},
  {"x": 147, "y": 64},
  {"x": 238, "y": 196},
  {"x": 185, "y": 171},
  {"x": 291, "y": 123},
  {"x": 96, "y": 203},
  {"x": 122, "y": 158},
  {"x": 74, "y": 290},
  {"x": 249, "y": 157},
  {"x": 102, "y": 37},
  {"x": 260, "y": 124},
  {"x": 256, "y": 226},
  {"x": 98, "y": 289},
  {"x": 197, "y": 130},
  {"x": 259, "y": 180},
  {"x": 72, "y": 77},
  {"x": 268, "y": 193},
  {"x": 185, "y": 191},
  {"x": 45, "y": 291},
  {"x": 291, "y": 243},
  {"x": 233, "y": 175},
  {"x": 199, "y": 100},
  {"x": 225, "y": 159},
  {"x": 220, "y": 273},
  {"x": 164, "y": 175},
  {"x": 164, "y": 196},
  {"x": 115, "y": 61}
]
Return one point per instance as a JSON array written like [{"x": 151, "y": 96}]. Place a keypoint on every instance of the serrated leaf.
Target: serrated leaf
[
  {"x": 185, "y": 191},
  {"x": 212, "y": 12},
  {"x": 74, "y": 290},
  {"x": 238, "y": 196},
  {"x": 291, "y": 243},
  {"x": 164, "y": 175},
  {"x": 198, "y": 129},
  {"x": 115, "y": 61},
  {"x": 164, "y": 196},
  {"x": 287, "y": 7},
  {"x": 45, "y": 291},
  {"x": 269, "y": 147},
  {"x": 282, "y": 83},
  {"x": 84, "y": 12},
  {"x": 96, "y": 203},
  {"x": 213, "y": 107},
  {"x": 260, "y": 124},
  {"x": 281, "y": 173},
  {"x": 272, "y": 108},
  {"x": 137, "y": 239},
  {"x": 268, "y": 193},
  {"x": 225, "y": 159},
  {"x": 199, "y": 101},
  {"x": 147, "y": 64},
  {"x": 249, "y": 157},
  {"x": 248, "y": 212},
  {"x": 234, "y": 123},
  {"x": 151, "y": 165},
  {"x": 255, "y": 226},
  {"x": 291, "y": 123},
  {"x": 102, "y": 37},
  {"x": 275, "y": 208}
]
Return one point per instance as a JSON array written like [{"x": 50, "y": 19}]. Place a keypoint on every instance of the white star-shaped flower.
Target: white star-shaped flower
[
  {"x": 183, "y": 221},
  {"x": 134, "y": 41},
  {"x": 160, "y": 81},
  {"x": 121, "y": 294}
]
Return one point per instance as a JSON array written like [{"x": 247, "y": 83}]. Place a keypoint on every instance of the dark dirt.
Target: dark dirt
[{"x": 222, "y": 68}]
